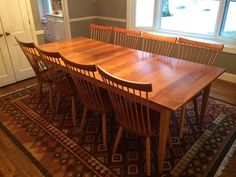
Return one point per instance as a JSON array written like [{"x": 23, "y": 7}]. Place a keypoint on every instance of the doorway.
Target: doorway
[{"x": 52, "y": 19}]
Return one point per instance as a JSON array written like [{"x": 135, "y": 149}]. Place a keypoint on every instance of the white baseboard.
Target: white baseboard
[
  {"x": 228, "y": 77},
  {"x": 38, "y": 32}
]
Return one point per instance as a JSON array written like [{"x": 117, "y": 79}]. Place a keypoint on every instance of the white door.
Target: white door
[
  {"x": 15, "y": 23},
  {"x": 6, "y": 71}
]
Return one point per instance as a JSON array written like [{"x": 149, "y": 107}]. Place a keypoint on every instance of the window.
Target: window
[
  {"x": 214, "y": 19},
  {"x": 228, "y": 28},
  {"x": 49, "y": 7},
  {"x": 191, "y": 16},
  {"x": 147, "y": 8},
  {"x": 48, "y": 4},
  {"x": 45, "y": 7}
]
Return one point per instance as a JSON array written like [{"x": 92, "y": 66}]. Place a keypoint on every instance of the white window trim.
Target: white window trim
[{"x": 229, "y": 47}]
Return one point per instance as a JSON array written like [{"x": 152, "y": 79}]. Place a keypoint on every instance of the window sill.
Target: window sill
[
  {"x": 55, "y": 15},
  {"x": 229, "y": 49}
]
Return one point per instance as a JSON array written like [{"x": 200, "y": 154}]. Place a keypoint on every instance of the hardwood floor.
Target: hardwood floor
[
  {"x": 20, "y": 85},
  {"x": 13, "y": 161},
  {"x": 225, "y": 91},
  {"x": 20, "y": 166}
]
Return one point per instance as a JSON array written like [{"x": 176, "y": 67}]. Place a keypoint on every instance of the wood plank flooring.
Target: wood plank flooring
[
  {"x": 225, "y": 91},
  {"x": 17, "y": 86},
  {"x": 15, "y": 162},
  {"x": 21, "y": 166}
]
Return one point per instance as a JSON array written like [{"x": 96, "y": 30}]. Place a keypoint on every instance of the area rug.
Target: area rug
[{"x": 58, "y": 149}]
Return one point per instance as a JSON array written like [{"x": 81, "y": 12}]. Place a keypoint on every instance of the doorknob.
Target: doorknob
[
  {"x": 7, "y": 33},
  {"x": 1, "y": 35}
]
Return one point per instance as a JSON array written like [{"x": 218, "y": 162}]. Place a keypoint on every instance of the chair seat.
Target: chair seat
[
  {"x": 44, "y": 76},
  {"x": 105, "y": 99},
  {"x": 72, "y": 86}
]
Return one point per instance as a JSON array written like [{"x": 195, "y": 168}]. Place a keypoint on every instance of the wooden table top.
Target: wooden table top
[{"x": 174, "y": 81}]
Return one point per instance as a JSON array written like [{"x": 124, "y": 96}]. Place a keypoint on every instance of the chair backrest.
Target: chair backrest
[
  {"x": 56, "y": 69},
  {"x": 199, "y": 52},
  {"x": 130, "y": 101},
  {"x": 126, "y": 38},
  {"x": 87, "y": 85},
  {"x": 157, "y": 44},
  {"x": 34, "y": 59},
  {"x": 100, "y": 33}
]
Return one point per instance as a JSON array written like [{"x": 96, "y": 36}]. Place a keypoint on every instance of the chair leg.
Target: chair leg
[
  {"x": 50, "y": 96},
  {"x": 104, "y": 129},
  {"x": 118, "y": 137},
  {"x": 182, "y": 119},
  {"x": 196, "y": 109},
  {"x": 73, "y": 109},
  {"x": 83, "y": 118},
  {"x": 148, "y": 156},
  {"x": 39, "y": 90},
  {"x": 58, "y": 101}
]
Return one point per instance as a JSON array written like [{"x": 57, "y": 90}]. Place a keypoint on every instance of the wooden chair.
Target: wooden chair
[
  {"x": 101, "y": 33},
  {"x": 130, "y": 101},
  {"x": 93, "y": 97},
  {"x": 126, "y": 38},
  {"x": 38, "y": 66},
  {"x": 157, "y": 44},
  {"x": 63, "y": 82},
  {"x": 199, "y": 52}
]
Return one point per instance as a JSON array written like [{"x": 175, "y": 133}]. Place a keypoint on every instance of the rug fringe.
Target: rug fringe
[{"x": 226, "y": 160}]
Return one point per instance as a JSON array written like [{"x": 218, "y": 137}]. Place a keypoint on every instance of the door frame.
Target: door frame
[
  {"x": 32, "y": 23},
  {"x": 66, "y": 18}
]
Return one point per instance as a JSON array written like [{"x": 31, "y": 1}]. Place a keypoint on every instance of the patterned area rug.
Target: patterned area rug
[{"x": 59, "y": 149}]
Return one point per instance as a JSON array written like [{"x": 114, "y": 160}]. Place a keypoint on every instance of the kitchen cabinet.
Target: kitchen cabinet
[{"x": 54, "y": 28}]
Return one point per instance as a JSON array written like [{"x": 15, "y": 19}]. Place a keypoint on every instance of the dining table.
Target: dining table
[{"x": 175, "y": 82}]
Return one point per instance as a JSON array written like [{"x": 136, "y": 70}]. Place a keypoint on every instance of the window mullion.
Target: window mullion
[
  {"x": 131, "y": 14},
  {"x": 157, "y": 15},
  {"x": 219, "y": 18}
]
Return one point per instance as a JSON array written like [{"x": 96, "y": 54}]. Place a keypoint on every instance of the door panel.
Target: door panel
[
  {"x": 16, "y": 22},
  {"x": 6, "y": 71}
]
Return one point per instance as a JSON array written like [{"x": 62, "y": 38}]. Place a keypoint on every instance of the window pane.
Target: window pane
[
  {"x": 48, "y": 6},
  {"x": 144, "y": 13},
  {"x": 193, "y": 16},
  {"x": 229, "y": 24}
]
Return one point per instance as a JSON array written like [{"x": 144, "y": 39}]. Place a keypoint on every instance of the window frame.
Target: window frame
[{"x": 131, "y": 8}]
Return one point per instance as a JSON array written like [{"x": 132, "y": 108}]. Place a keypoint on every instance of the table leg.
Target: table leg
[
  {"x": 205, "y": 96},
  {"x": 163, "y": 135}
]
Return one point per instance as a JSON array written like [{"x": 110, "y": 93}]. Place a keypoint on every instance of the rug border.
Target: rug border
[
  {"x": 210, "y": 173},
  {"x": 29, "y": 115},
  {"x": 222, "y": 155},
  {"x": 226, "y": 160}
]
